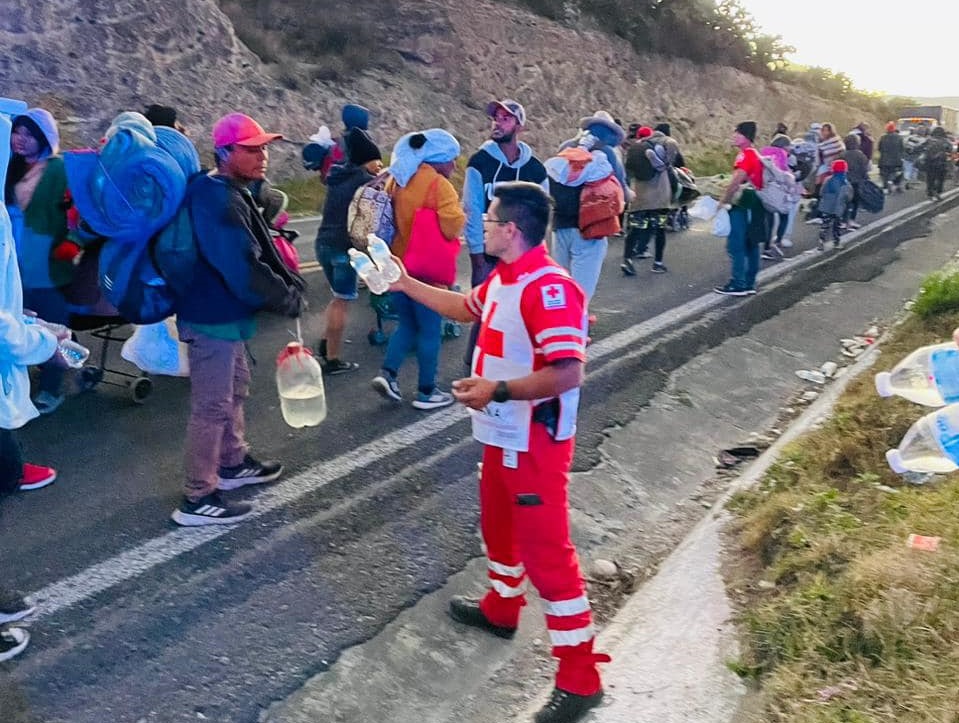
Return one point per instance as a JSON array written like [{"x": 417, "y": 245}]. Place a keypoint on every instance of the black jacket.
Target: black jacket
[{"x": 341, "y": 184}]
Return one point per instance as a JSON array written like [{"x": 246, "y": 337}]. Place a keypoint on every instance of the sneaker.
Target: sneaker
[
  {"x": 777, "y": 250},
  {"x": 835, "y": 244},
  {"x": 853, "y": 224},
  {"x": 659, "y": 268},
  {"x": 767, "y": 256},
  {"x": 387, "y": 386},
  {"x": 817, "y": 221},
  {"x": 47, "y": 403},
  {"x": 209, "y": 510},
  {"x": 750, "y": 291},
  {"x": 786, "y": 243},
  {"x": 332, "y": 367},
  {"x": 566, "y": 707},
  {"x": 467, "y": 611},
  {"x": 627, "y": 268},
  {"x": 12, "y": 643},
  {"x": 433, "y": 400},
  {"x": 730, "y": 290},
  {"x": 248, "y": 472},
  {"x": 37, "y": 476},
  {"x": 14, "y": 607},
  {"x": 642, "y": 255}
]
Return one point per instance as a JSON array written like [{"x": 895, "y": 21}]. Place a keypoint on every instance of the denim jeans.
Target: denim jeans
[
  {"x": 419, "y": 328},
  {"x": 743, "y": 243},
  {"x": 583, "y": 258},
  {"x": 219, "y": 386},
  {"x": 51, "y": 306}
]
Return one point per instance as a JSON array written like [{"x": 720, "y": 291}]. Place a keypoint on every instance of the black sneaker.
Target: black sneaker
[
  {"x": 767, "y": 256},
  {"x": 332, "y": 367},
  {"x": 730, "y": 290},
  {"x": 467, "y": 611},
  {"x": 642, "y": 255},
  {"x": 12, "y": 643},
  {"x": 627, "y": 268},
  {"x": 209, "y": 510},
  {"x": 248, "y": 472},
  {"x": 659, "y": 268},
  {"x": 566, "y": 707},
  {"x": 13, "y": 607}
]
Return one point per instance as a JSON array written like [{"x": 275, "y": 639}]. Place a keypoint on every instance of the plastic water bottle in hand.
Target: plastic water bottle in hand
[
  {"x": 928, "y": 376},
  {"x": 931, "y": 445},
  {"x": 364, "y": 266},
  {"x": 383, "y": 258},
  {"x": 299, "y": 382}
]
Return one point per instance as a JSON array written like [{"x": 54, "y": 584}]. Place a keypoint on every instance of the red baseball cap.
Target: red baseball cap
[{"x": 241, "y": 130}]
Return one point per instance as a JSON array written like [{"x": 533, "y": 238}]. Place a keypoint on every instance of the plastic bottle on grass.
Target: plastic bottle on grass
[
  {"x": 930, "y": 446},
  {"x": 928, "y": 376},
  {"x": 383, "y": 258},
  {"x": 366, "y": 269},
  {"x": 299, "y": 382}
]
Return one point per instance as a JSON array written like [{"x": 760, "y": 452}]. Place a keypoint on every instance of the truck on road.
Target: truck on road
[{"x": 929, "y": 116}]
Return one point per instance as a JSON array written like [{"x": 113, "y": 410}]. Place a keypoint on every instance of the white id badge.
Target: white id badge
[{"x": 510, "y": 459}]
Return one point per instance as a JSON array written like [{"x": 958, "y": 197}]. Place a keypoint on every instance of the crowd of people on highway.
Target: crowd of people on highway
[{"x": 537, "y": 232}]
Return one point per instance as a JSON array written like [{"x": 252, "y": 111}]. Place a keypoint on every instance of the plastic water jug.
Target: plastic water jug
[
  {"x": 930, "y": 445},
  {"x": 928, "y": 376},
  {"x": 383, "y": 258},
  {"x": 299, "y": 382},
  {"x": 364, "y": 266}
]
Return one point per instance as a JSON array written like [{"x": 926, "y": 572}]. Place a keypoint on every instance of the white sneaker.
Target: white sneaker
[
  {"x": 433, "y": 401},
  {"x": 47, "y": 403},
  {"x": 817, "y": 221},
  {"x": 786, "y": 243},
  {"x": 853, "y": 224}
]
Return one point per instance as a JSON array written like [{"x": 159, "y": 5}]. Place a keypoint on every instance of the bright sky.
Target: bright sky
[{"x": 899, "y": 47}]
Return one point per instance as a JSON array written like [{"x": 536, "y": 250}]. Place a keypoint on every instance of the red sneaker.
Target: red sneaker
[{"x": 36, "y": 476}]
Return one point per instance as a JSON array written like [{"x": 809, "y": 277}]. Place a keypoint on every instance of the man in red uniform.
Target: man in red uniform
[{"x": 523, "y": 395}]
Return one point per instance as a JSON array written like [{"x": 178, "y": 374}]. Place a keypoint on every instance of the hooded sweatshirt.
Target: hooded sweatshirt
[
  {"x": 38, "y": 211},
  {"x": 341, "y": 184},
  {"x": 487, "y": 168},
  {"x": 835, "y": 195},
  {"x": 21, "y": 345}
]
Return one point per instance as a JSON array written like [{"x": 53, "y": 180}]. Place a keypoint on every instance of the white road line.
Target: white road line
[{"x": 102, "y": 576}]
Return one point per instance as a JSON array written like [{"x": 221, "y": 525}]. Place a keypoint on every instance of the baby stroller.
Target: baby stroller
[{"x": 383, "y": 309}]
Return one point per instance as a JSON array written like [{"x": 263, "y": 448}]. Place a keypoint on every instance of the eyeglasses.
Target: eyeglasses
[{"x": 497, "y": 221}]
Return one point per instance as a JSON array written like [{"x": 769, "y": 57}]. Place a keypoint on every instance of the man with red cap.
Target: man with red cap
[{"x": 238, "y": 273}]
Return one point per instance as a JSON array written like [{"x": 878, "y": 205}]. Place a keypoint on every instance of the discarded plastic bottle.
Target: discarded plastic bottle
[
  {"x": 74, "y": 354},
  {"x": 383, "y": 258},
  {"x": 363, "y": 265},
  {"x": 299, "y": 382},
  {"x": 931, "y": 445},
  {"x": 929, "y": 376}
]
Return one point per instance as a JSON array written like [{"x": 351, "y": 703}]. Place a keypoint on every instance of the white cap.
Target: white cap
[
  {"x": 894, "y": 459},
  {"x": 884, "y": 384}
]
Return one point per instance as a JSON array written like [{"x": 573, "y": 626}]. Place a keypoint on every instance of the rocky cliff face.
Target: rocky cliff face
[{"x": 88, "y": 60}]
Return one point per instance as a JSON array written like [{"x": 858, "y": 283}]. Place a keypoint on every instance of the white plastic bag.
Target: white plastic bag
[
  {"x": 721, "y": 225},
  {"x": 157, "y": 349},
  {"x": 704, "y": 208}
]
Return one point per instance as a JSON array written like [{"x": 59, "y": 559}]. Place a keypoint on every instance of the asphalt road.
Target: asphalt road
[{"x": 145, "y": 622}]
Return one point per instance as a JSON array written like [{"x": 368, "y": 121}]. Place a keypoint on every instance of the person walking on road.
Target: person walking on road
[
  {"x": 837, "y": 194},
  {"x": 500, "y": 159},
  {"x": 363, "y": 162},
  {"x": 858, "y": 173},
  {"x": 238, "y": 273},
  {"x": 891, "y": 158},
  {"x": 937, "y": 153},
  {"x": 648, "y": 211},
  {"x": 747, "y": 215},
  {"x": 523, "y": 396},
  {"x": 429, "y": 215}
]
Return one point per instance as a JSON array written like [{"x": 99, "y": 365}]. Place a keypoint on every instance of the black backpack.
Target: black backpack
[{"x": 638, "y": 165}]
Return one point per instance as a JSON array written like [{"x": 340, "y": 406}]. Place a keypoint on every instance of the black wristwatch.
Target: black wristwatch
[{"x": 501, "y": 393}]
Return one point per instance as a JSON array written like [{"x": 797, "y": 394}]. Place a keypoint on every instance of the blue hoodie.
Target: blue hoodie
[
  {"x": 487, "y": 168},
  {"x": 835, "y": 195},
  {"x": 21, "y": 345}
]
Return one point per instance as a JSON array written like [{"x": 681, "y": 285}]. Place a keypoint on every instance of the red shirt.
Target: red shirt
[
  {"x": 748, "y": 160},
  {"x": 553, "y": 308}
]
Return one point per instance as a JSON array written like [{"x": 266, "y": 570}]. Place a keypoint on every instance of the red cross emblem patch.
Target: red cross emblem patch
[{"x": 554, "y": 296}]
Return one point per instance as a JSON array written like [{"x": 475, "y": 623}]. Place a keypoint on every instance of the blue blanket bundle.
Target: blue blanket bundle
[{"x": 131, "y": 187}]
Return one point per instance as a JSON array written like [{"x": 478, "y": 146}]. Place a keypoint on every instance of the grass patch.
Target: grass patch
[
  {"x": 938, "y": 294},
  {"x": 710, "y": 160},
  {"x": 307, "y": 195},
  {"x": 858, "y": 627}
]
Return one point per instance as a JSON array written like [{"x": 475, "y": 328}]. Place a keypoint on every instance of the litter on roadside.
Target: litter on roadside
[
  {"x": 811, "y": 375},
  {"x": 923, "y": 542}
]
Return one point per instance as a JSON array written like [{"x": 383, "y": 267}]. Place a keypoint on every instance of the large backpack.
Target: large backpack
[
  {"x": 371, "y": 211},
  {"x": 780, "y": 191},
  {"x": 600, "y": 206},
  {"x": 871, "y": 197},
  {"x": 638, "y": 165}
]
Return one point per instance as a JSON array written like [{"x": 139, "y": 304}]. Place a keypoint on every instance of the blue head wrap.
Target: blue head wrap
[{"x": 414, "y": 149}]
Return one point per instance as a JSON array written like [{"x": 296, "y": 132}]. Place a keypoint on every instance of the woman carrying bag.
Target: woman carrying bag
[{"x": 429, "y": 221}]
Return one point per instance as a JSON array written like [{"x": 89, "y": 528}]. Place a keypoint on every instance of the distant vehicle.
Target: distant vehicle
[{"x": 928, "y": 116}]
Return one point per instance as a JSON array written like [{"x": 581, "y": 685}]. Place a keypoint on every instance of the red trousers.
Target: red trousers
[{"x": 524, "y": 516}]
